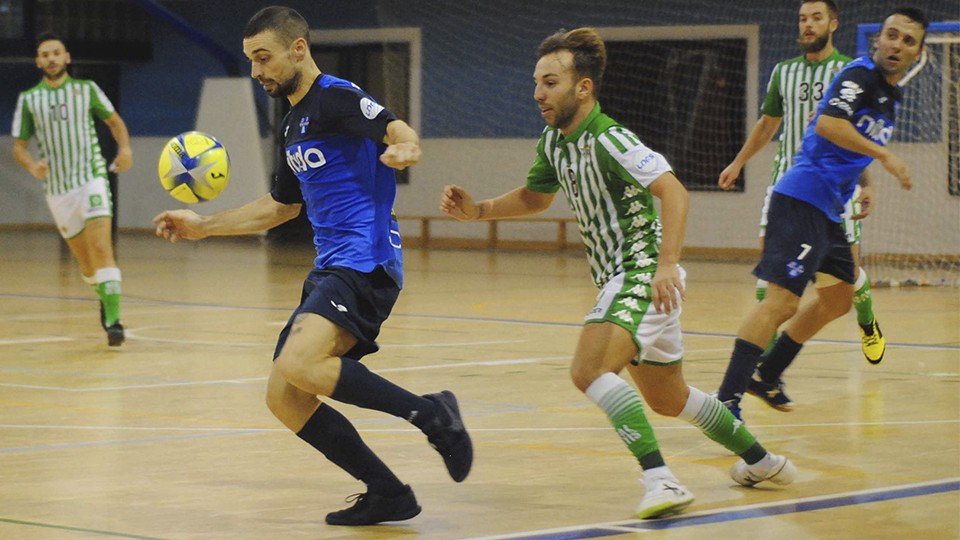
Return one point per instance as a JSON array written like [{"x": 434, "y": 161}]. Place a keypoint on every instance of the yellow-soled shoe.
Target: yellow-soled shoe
[{"x": 872, "y": 342}]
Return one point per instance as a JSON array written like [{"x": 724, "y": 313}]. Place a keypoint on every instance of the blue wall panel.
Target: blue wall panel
[{"x": 478, "y": 55}]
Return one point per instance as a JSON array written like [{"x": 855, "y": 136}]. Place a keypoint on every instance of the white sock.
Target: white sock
[
  {"x": 695, "y": 402},
  {"x": 654, "y": 475},
  {"x": 860, "y": 280}
]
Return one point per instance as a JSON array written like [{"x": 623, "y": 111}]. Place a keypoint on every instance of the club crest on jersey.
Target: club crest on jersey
[
  {"x": 304, "y": 124},
  {"x": 370, "y": 108}
]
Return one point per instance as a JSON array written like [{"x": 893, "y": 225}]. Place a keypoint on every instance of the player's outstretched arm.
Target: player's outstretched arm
[
  {"x": 842, "y": 133},
  {"x": 457, "y": 203},
  {"x": 403, "y": 146},
  {"x": 257, "y": 215},
  {"x": 761, "y": 135}
]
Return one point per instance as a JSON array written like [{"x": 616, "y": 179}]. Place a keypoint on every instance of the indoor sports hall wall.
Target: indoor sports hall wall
[{"x": 478, "y": 119}]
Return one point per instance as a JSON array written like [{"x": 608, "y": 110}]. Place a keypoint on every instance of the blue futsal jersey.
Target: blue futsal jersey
[
  {"x": 824, "y": 174},
  {"x": 333, "y": 139}
]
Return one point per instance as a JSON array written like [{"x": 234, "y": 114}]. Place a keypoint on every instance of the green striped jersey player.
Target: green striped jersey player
[
  {"x": 610, "y": 179},
  {"x": 59, "y": 113},
  {"x": 61, "y": 118},
  {"x": 605, "y": 175}
]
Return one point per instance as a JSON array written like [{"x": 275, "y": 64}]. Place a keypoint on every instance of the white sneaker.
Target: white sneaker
[
  {"x": 781, "y": 471},
  {"x": 663, "y": 498}
]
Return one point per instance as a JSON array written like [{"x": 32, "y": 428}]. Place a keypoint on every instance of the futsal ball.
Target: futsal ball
[{"x": 194, "y": 167}]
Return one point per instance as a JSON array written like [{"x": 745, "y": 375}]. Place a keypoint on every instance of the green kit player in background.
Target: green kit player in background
[
  {"x": 59, "y": 112},
  {"x": 793, "y": 93},
  {"x": 610, "y": 180}
]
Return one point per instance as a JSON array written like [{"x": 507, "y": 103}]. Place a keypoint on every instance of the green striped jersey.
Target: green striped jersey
[
  {"x": 605, "y": 173},
  {"x": 62, "y": 120},
  {"x": 793, "y": 93}
]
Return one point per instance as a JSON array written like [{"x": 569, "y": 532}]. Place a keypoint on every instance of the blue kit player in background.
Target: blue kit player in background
[
  {"x": 341, "y": 147},
  {"x": 805, "y": 239}
]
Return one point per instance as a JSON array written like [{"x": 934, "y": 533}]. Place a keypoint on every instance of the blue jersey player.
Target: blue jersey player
[
  {"x": 805, "y": 240},
  {"x": 341, "y": 148}
]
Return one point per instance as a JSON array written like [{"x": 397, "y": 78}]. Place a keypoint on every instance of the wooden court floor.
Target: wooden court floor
[{"x": 168, "y": 436}]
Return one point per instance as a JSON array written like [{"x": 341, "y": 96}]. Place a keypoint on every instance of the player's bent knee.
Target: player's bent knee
[
  {"x": 583, "y": 376},
  {"x": 666, "y": 405},
  {"x": 317, "y": 375},
  {"x": 780, "y": 312}
]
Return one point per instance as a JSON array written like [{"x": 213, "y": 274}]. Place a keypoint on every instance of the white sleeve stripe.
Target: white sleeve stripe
[
  {"x": 18, "y": 116},
  {"x": 104, "y": 100}
]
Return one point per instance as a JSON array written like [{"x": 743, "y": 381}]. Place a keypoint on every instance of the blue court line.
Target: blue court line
[
  {"x": 725, "y": 515},
  {"x": 77, "y": 529}
]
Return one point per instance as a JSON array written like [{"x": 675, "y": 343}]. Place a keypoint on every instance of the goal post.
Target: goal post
[{"x": 914, "y": 237}]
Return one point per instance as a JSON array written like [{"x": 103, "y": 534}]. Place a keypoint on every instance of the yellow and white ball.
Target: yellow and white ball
[{"x": 194, "y": 167}]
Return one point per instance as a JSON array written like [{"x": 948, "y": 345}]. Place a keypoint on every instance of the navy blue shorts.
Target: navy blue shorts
[
  {"x": 801, "y": 241},
  {"x": 355, "y": 301}
]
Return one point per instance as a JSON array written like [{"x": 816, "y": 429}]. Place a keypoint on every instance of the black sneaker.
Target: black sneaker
[
  {"x": 448, "y": 436},
  {"x": 115, "y": 335},
  {"x": 370, "y": 509}
]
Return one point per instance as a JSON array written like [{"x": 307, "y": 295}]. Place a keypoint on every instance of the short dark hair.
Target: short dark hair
[
  {"x": 914, "y": 14},
  {"x": 46, "y": 36},
  {"x": 831, "y": 7},
  {"x": 589, "y": 52},
  {"x": 285, "y": 22}
]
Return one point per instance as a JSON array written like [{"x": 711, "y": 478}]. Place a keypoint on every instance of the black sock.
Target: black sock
[
  {"x": 743, "y": 361},
  {"x": 779, "y": 358},
  {"x": 754, "y": 454},
  {"x": 652, "y": 460},
  {"x": 335, "y": 437},
  {"x": 363, "y": 388}
]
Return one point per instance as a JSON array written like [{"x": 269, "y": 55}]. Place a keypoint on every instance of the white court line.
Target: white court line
[
  {"x": 843, "y": 425},
  {"x": 138, "y": 428},
  {"x": 38, "y": 339},
  {"x": 480, "y": 363},
  {"x": 127, "y": 309},
  {"x": 135, "y": 334},
  {"x": 256, "y": 379},
  {"x": 137, "y": 386},
  {"x": 459, "y": 344}
]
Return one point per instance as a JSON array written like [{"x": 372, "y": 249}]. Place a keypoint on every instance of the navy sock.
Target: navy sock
[
  {"x": 743, "y": 362},
  {"x": 335, "y": 437},
  {"x": 361, "y": 387},
  {"x": 779, "y": 358}
]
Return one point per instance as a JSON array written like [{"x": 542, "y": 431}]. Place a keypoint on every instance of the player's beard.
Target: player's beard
[
  {"x": 563, "y": 113},
  {"x": 816, "y": 45},
  {"x": 284, "y": 89},
  {"x": 56, "y": 75}
]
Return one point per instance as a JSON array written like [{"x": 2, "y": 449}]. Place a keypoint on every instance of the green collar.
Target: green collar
[
  {"x": 833, "y": 56},
  {"x": 575, "y": 134},
  {"x": 43, "y": 83}
]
